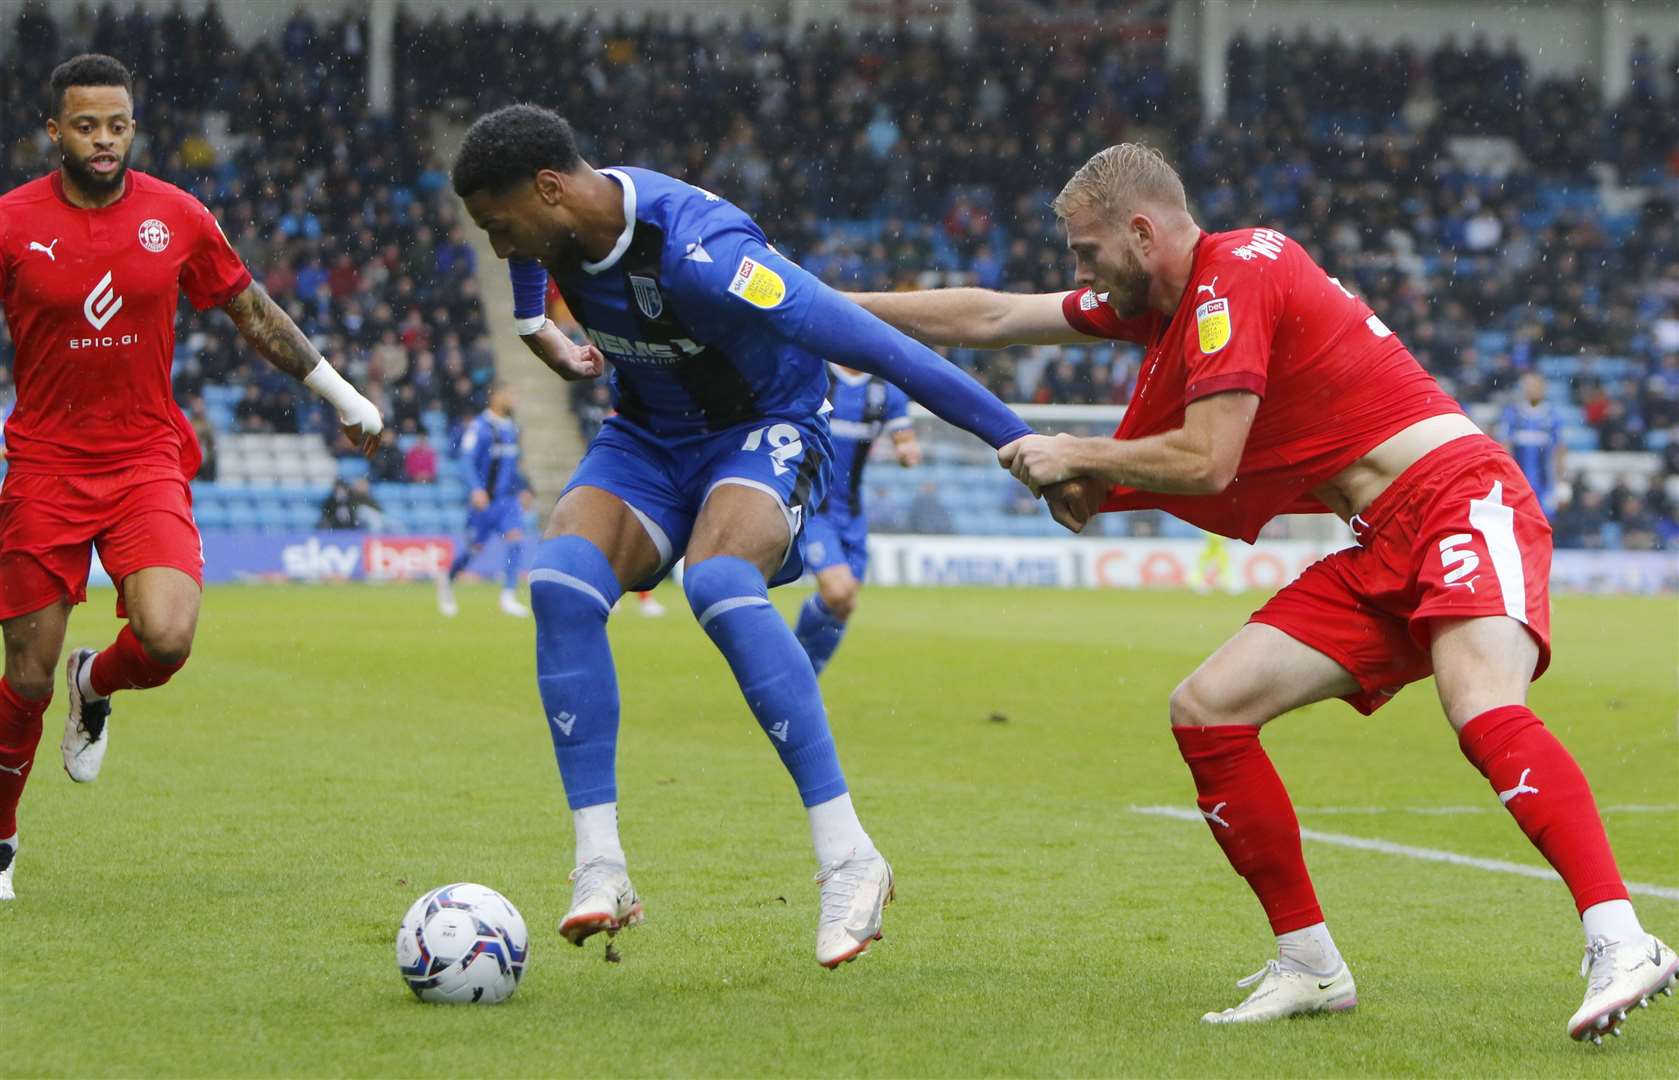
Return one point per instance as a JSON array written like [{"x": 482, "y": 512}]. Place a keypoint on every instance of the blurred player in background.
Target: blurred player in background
[
  {"x": 560, "y": 316},
  {"x": 1267, "y": 387},
  {"x": 1212, "y": 566},
  {"x": 718, "y": 450},
  {"x": 836, "y": 539},
  {"x": 1531, "y": 430},
  {"x": 93, "y": 259},
  {"x": 500, "y": 500}
]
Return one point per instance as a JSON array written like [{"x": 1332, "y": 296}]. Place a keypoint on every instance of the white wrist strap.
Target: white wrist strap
[
  {"x": 325, "y": 381},
  {"x": 527, "y": 327}
]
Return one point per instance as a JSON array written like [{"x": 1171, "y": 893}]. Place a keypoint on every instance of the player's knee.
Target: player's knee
[
  {"x": 1191, "y": 706},
  {"x": 571, "y": 578},
  {"x": 719, "y": 579},
  {"x": 30, "y": 669},
  {"x": 31, "y": 683},
  {"x": 841, "y": 599},
  {"x": 168, "y": 641}
]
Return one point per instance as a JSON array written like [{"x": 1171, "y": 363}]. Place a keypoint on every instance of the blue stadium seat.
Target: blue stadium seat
[
  {"x": 1579, "y": 437},
  {"x": 211, "y": 514},
  {"x": 271, "y": 516}
]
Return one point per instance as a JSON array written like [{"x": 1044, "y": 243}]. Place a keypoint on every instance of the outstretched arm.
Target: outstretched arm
[
  {"x": 1199, "y": 458},
  {"x": 975, "y": 318},
  {"x": 841, "y": 331},
  {"x": 273, "y": 334}
]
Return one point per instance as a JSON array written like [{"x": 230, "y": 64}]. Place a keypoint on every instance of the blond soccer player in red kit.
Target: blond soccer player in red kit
[{"x": 1267, "y": 388}]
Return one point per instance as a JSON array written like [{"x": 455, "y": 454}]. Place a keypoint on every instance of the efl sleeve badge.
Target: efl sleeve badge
[
  {"x": 757, "y": 284},
  {"x": 1212, "y": 320}
]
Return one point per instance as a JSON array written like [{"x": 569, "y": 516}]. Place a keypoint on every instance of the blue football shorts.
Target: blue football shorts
[{"x": 666, "y": 480}]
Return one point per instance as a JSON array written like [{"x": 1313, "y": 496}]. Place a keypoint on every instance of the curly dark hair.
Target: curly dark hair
[
  {"x": 513, "y": 143},
  {"x": 88, "y": 69}
]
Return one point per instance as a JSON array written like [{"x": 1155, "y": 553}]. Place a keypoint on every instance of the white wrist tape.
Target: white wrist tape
[
  {"x": 527, "y": 327},
  {"x": 325, "y": 381}
]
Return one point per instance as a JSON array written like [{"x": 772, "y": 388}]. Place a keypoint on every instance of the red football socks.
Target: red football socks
[
  {"x": 20, "y": 732},
  {"x": 124, "y": 665},
  {"x": 1538, "y": 781},
  {"x": 1251, "y": 817}
]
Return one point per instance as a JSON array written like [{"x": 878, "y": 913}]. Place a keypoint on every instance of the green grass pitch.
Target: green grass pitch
[{"x": 224, "y": 900}]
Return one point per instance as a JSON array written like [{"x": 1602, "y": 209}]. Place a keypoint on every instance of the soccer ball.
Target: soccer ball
[{"x": 463, "y": 944}]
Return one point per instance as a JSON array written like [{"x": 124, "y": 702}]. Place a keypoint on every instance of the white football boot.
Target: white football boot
[
  {"x": 510, "y": 605},
  {"x": 1284, "y": 991},
  {"x": 855, "y": 890},
  {"x": 446, "y": 605},
  {"x": 1621, "y": 975},
  {"x": 87, "y": 732},
  {"x": 8, "y": 857},
  {"x": 602, "y": 898}
]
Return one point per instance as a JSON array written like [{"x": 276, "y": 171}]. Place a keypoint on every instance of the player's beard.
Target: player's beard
[
  {"x": 93, "y": 183},
  {"x": 1128, "y": 292}
]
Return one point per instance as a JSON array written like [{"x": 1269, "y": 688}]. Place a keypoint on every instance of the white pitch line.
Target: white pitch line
[{"x": 1426, "y": 854}]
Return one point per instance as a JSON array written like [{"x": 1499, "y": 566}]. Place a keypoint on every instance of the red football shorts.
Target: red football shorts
[
  {"x": 50, "y": 524},
  {"x": 1458, "y": 534}
]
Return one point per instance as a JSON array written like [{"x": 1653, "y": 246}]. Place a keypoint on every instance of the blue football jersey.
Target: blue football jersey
[
  {"x": 1533, "y": 433},
  {"x": 698, "y": 314},
  {"x": 865, "y": 406},
  {"x": 491, "y": 448}
]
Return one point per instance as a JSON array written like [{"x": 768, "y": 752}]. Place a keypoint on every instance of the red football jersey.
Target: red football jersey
[
  {"x": 90, "y": 298},
  {"x": 1259, "y": 315}
]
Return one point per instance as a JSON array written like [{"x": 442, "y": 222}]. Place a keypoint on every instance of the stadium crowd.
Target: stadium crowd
[
  {"x": 346, "y": 223},
  {"x": 1548, "y": 242},
  {"x": 876, "y": 160}
]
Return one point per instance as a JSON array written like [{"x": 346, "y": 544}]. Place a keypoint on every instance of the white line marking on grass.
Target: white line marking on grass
[{"x": 1426, "y": 854}]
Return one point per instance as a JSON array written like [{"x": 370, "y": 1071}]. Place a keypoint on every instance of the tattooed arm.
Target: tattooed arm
[{"x": 271, "y": 332}]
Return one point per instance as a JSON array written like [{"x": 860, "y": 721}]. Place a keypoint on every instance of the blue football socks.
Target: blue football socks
[
  {"x": 573, "y": 589},
  {"x": 515, "y": 556},
  {"x": 818, "y": 631},
  {"x": 730, "y": 600}
]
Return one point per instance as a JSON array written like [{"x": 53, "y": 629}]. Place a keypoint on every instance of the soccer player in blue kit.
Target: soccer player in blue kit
[
  {"x": 500, "y": 499},
  {"x": 1531, "y": 429},
  {"x": 836, "y": 539},
  {"x": 719, "y": 448}
]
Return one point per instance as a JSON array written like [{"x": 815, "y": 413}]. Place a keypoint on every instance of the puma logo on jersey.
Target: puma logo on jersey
[
  {"x": 36, "y": 245},
  {"x": 102, "y": 304},
  {"x": 1208, "y": 289},
  {"x": 1521, "y": 788}
]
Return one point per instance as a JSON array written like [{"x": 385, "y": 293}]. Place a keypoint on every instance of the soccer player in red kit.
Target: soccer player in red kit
[
  {"x": 93, "y": 259},
  {"x": 1268, "y": 388}
]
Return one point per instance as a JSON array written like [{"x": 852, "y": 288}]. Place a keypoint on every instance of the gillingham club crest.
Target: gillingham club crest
[
  {"x": 647, "y": 296},
  {"x": 154, "y": 235}
]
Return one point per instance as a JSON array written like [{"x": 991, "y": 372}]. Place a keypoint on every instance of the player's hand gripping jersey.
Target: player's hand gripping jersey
[
  {"x": 707, "y": 326},
  {"x": 90, "y": 298},
  {"x": 1259, "y": 315}
]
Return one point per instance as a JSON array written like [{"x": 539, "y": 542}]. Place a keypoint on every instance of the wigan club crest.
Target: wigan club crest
[{"x": 647, "y": 296}]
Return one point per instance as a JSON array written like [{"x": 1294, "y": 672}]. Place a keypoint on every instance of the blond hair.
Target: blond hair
[{"x": 1119, "y": 178}]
